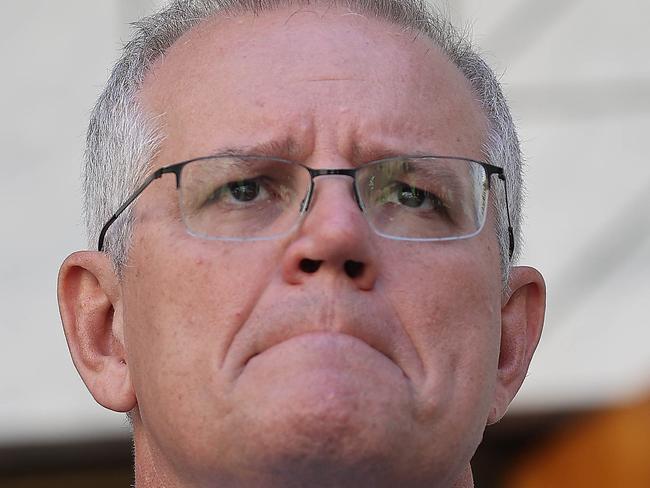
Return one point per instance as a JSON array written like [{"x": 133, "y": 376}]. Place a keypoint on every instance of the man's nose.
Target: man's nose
[{"x": 334, "y": 238}]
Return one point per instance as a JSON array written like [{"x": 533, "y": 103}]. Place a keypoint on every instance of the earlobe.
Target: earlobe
[
  {"x": 90, "y": 307},
  {"x": 522, "y": 318}
]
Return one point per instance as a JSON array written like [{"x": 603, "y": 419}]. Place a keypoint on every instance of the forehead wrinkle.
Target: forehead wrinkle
[
  {"x": 334, "y": 78},
  {"x": 285, "y": 148}
]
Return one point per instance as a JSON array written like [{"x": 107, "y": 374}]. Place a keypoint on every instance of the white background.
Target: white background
[{"x": 578, "y": 75}]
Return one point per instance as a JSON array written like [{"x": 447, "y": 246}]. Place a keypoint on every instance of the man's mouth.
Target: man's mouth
[{"x": 319, "y": 340}]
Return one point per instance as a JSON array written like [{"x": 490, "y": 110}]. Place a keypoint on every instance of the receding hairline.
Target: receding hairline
[{"x": 216, "y": 20}]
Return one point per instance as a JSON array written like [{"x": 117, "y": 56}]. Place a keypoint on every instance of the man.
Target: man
[{"x": 305, "y": 269}]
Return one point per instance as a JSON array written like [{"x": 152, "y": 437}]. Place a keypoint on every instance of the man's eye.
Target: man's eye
[
  {"x": 244, "y": 191},
  {"x": 235, "y": 192},
  {"x": 413, "y": 197}
]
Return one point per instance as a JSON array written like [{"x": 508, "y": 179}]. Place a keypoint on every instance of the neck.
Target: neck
[
  {"x": 146, "y": 477},
  {"x": 151, "y": 471}
]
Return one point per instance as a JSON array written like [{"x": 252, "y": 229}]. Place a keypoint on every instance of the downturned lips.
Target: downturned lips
[
  {"x": 320, "y": 339},
  {"x": 318, "y": 324}
]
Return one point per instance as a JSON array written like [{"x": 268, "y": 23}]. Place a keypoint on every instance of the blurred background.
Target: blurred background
[{"x": 577, "y": 73}]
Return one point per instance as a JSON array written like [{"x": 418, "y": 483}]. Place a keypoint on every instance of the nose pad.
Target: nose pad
[
  {"x": 355, "y": 193},
  {"x": 306, "y": 202}
]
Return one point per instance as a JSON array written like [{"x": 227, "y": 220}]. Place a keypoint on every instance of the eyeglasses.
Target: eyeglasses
[{"x": 241, "y": 198}]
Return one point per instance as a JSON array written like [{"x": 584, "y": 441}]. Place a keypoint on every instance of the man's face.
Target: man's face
[{"x": 246, "y": 361}]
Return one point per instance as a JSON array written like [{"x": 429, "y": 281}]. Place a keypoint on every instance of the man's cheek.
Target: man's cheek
[{"x": 453, "y": 317}]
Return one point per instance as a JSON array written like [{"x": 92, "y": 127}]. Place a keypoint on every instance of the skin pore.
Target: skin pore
[{"x": 242, "y": 368}]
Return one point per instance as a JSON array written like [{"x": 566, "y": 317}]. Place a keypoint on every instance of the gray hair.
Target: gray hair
[{"x": 122, "y": 139}]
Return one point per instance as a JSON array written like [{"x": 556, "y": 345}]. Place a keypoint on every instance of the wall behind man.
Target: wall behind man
[
  {"x": 579, "y": 83},
  {"x": 578, "y": 75}
]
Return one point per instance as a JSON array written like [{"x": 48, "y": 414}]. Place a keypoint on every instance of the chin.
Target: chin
[{"x": 340, "y": 444}]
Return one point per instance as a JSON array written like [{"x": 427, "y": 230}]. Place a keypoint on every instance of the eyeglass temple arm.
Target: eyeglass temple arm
[
  {"x": 154, "y": 176},
  {"x": 511, "y": 234}
]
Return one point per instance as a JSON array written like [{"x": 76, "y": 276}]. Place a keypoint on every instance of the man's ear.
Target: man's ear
[
  {"x": 91, "y": 311},
  {"x": 522, "y": 318}
]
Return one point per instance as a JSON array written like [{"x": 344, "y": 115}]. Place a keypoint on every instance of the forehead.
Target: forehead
[{"x": 361, "y": 85}]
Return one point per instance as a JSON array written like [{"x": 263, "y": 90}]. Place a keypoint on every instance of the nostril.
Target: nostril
[
  {"x": 309, "y": 265},
  {"x": 353, "y": 268}
]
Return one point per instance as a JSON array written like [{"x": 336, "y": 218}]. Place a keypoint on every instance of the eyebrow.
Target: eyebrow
[
  {"x": 364, "y": 153},
  {"x": 286, "y": 148}
]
